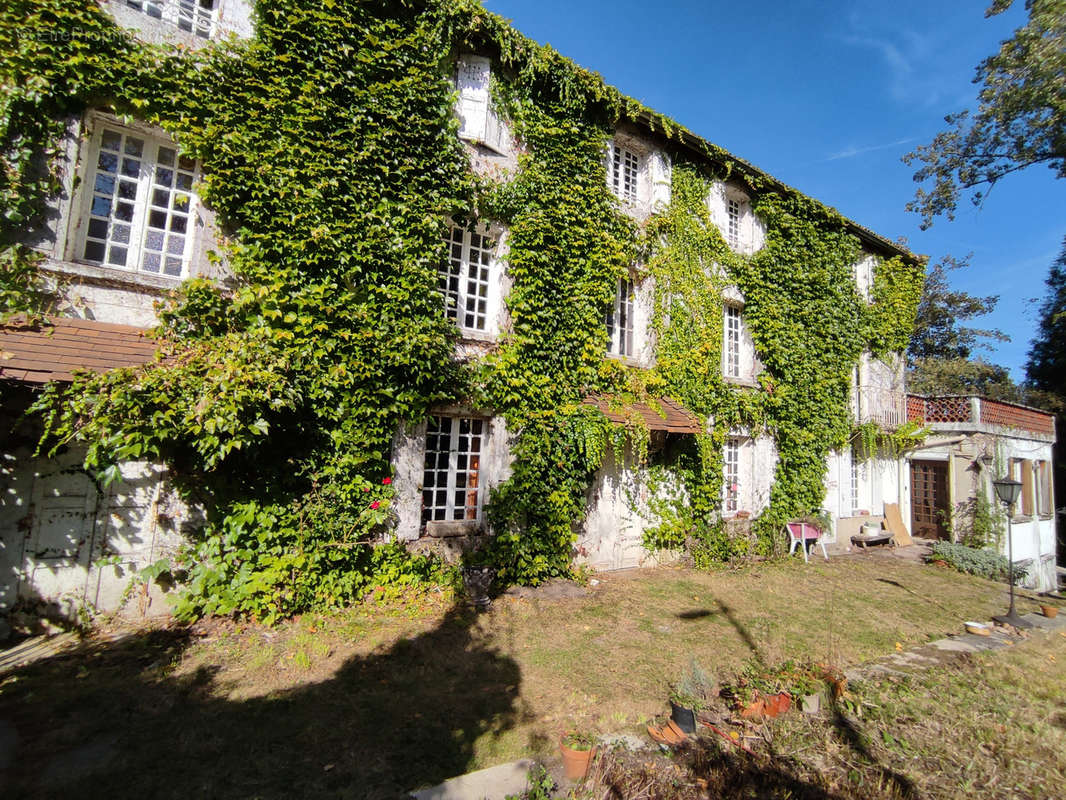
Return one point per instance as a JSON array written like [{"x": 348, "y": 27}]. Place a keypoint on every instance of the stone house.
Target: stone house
[{"x": 128, "y": 228}]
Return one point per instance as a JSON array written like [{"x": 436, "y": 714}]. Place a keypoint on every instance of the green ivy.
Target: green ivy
[{"x": 330, "y": 156}]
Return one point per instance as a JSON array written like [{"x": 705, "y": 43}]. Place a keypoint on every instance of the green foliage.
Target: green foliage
[
  {"x": 982, "y": 522},
  {"x": 540, "y": 786},
  {"x": 329, "y": 152},
  {"x": 1019, "y": 121},
  {"x": 694, "y": 689},
  {"x": 983, "y": 563},
  {"x": 1046, "y": 365}
]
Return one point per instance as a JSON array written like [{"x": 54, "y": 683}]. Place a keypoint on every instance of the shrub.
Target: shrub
[{"x": 983, "y": 563}]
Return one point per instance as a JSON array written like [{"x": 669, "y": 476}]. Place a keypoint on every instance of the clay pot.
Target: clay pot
[
  {"x": 1050, "y": 611},
  {"x": 576, "y": 762}
]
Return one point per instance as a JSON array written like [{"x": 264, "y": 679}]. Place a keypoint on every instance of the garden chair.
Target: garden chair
[{"x": 802, "y": 535}]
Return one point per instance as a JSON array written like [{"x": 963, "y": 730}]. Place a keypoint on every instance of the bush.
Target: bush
[{"x": 983, "y": 563}]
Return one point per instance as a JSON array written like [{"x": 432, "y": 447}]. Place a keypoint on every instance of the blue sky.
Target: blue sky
[{"x": 827, "y": 96}]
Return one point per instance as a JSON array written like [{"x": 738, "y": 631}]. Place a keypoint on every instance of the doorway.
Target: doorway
[{"x": 929, "y": 499}]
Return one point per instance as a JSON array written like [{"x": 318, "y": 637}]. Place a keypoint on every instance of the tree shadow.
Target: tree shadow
[{"x": 383, "y": 724}]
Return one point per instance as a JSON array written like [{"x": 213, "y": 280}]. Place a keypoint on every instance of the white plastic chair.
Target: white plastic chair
[{"x": 799, "y": 533}]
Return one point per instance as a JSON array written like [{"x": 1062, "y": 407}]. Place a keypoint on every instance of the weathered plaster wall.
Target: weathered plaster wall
[{"x": 233, "y": 17}]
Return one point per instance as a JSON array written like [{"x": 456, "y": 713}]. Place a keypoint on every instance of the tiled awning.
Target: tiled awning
[
  {"x": 54, "y": 348},
  {"x": 659, "y": 415}
]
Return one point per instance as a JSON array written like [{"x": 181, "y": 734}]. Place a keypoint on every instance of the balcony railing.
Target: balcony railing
[
  {"x": 885, "y": 407},
  {"x": 963, "y": 409}
]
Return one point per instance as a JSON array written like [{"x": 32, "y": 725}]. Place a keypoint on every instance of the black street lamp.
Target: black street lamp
[{"x": 1007, "y": 490}]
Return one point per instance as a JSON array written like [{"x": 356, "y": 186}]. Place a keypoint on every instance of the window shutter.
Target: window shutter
[
  {"x": 1027, "y": 488},
  {"x": 473, "y": 84}
]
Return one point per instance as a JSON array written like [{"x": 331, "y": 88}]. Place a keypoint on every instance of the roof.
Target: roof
[
  {"x": 52, "y": 349},
  {"x": 670, "y": 416}
]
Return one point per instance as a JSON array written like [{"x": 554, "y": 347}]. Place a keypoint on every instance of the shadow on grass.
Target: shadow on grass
[{"x": 107, "y": 720}]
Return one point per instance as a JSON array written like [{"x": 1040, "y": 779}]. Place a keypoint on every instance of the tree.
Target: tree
[
  {"x": 1020, "y": 119},
  {"x": 937, "y": 333},
  {"x": 1046, "y": 364},
  {"x": 940, "y": 355}
]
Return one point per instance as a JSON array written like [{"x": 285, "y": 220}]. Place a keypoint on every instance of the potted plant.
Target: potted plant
[
  {"x": 577, "y": 749},
  {"x": 690, "y": 695}
]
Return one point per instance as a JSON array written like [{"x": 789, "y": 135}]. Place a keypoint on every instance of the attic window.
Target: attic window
[
  {"x": 623, "y": 171},
  {"x": 192, "y": 16},
  {"x": 733, "y": 214},
  {"x": 478, "y": 122}
]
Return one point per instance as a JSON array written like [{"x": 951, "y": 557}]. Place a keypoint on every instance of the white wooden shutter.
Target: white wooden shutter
[{"x": 473, "y": 84}]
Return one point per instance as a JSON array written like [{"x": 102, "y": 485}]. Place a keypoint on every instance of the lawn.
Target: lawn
[{"x": 387, "y": 697}]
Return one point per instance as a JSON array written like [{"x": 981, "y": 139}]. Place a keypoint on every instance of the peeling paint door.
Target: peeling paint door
[
  {"x": 929, "y": 499},
  {"x": 56, "y": 557}
]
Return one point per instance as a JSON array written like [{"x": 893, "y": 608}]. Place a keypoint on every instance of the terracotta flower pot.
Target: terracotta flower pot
[
  {"x": 576, "y": 762},
  {"x": 1050, "y": 611}
]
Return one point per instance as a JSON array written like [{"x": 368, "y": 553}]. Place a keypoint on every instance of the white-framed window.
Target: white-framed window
[
  {"x": 197, "y": 17},
  {"x": 620, "y": 327},
  {"x": 731, "y": 475},
  {"x": 734, "y": 214},
  {"x": 856, "y": 478},
  {"x": 731, "y": 344},
  {"x": 623, "y": 172},
  {"x": 451, "y": 481},
  {"x": 139, "y": 203},
  {"x": 465, "y": 280}
]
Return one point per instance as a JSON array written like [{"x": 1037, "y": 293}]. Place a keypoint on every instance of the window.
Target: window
[
  {"x": 192, "y": 16},
  {"x": 464, "y": 281},
  {"x": 477, "y": 119},
  {"x": 451, "y": 481},
  {"x": 1022, "y": 470},
  {"x": 731, "y": 348},
  {"x": 623, "y": 171},
  {"x": 139, "y": 203},
  {"x": 731, "y": 475},
  {"x": 1043, "y": 488},
  {"x": 733, "y": 212},
  {"x": 856, "y": 475},
  {"x": 620, "y": 321}
]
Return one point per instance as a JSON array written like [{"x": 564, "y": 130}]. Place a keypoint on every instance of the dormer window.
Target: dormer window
[
  {"x": 478, "y": 121},
  {"x": 620, "y": 320},
  {"x": 733, "y": 217},
  {"x": 623, "y": 173},
  {"x": 197, "y": 17}
]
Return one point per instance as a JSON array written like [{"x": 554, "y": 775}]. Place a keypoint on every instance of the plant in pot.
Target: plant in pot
[
  {"x": 689, "y": 695},
  {"x": 577, "y": 749}
]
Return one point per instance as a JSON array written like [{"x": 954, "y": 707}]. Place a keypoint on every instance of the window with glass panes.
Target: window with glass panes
[
  {"x": 731, "y": 350},
  {"x": 464, "y": 281},
  {"x": 731, "y": 475},
  {"x": 451, "y": 482},
  {"x": 733, "y": 213},
  {"x": 192, "y": 16},
  {"x": 140, "y": 204},
  {"x": 856, "y": 466},
  {"x": 622, "y": 173},
  {"x": 620, "y": 320}
]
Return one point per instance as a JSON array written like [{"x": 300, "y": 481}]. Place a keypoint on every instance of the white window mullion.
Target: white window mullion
[{"x": 140, "y": 214}]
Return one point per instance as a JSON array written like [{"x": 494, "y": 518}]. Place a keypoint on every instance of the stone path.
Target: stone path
[{"x": 922, "y": 657}]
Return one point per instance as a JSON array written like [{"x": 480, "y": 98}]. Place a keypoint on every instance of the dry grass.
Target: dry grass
[
  {"x": 376, "y": 700},
  {"x": 991, "y": 726}
]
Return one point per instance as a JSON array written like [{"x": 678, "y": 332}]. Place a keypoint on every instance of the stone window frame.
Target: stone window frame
[
  {"x": 77, "y": 229},
  {"x": 495, "y": 285},
  {"x": 451, "y": 469}
]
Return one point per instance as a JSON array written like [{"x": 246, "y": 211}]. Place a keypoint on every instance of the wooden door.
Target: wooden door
[{"x": 929, "y": 499}]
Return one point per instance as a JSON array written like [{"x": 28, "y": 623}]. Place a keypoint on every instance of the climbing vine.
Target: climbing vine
[{"x": 330, "y": 155}]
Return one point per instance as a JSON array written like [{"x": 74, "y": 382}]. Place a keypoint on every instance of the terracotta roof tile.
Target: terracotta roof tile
[
  {"x": 54, "y": 348},
  {"x": 673, "y": 417}
]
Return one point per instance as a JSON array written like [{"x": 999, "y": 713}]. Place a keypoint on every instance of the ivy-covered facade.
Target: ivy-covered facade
[{"x": 420, "y": 281}]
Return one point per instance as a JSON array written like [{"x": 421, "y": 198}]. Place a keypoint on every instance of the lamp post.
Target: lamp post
[{"x": 1007, "y": 490}]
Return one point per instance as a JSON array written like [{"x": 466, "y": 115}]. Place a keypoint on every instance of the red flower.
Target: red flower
[
  {"x": 366, "y": 489},
  {"x": 375, "y": 505},
  {"x": 386, "y": 482}
]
